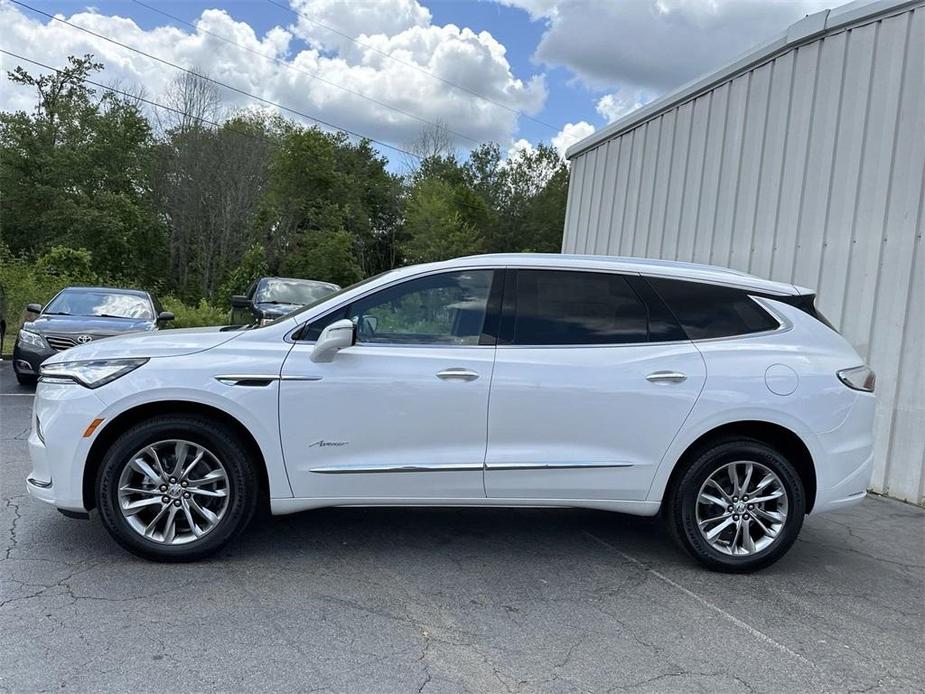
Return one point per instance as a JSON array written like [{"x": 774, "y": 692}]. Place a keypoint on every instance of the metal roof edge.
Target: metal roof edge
[{"x": 799, "y": 32}]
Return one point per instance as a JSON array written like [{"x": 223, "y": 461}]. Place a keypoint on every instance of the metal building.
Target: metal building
[{"x": 804, "y": 162}]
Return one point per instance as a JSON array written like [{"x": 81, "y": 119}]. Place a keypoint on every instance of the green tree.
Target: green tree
[
  {"x": 253, "y": 265},
  {"x": 329, "y": 256},
  {"x": 76, "y": 172},
  {"x": 73, "y": 265},
  {"x": 435, "y": 228}
]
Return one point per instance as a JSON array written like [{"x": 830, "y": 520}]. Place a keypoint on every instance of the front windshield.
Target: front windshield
[
  {"x": 332, "y": 295},
  {"x": 283, "y": 291},
  {"x": 100, "y": 302}
]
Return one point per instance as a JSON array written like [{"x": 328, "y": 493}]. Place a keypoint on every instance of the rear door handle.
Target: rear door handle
[
  {"x": 457, "y": 375},
  {"x": 666, "y": 377}
]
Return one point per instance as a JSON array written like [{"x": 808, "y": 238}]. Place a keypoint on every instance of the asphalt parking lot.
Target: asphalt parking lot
[{"x": 374, "y": 600}]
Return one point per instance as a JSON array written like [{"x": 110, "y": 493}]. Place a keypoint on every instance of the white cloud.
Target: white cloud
[
  {"x": 570, "y": 134},
  {"x": 518, "y": 149},
  {"x": 655, "y": 44},
  {"x": 402, "y": 27},
  {"x": 317, "y": 18},
  {"x": 622, "y": 102}
]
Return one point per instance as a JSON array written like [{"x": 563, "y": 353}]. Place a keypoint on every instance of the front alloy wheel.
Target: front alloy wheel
[
  {"x": 738, "y": 506},
  {"x": 173, "y": 492},
  {"x": 176, "y": 487}
]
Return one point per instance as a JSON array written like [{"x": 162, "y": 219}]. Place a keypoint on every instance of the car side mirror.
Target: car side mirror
[
  {"x": 334, "y": 338},
  {"x": 34, "y": 308},
  {"x": 165, "y": 316},
  {"x": 240, "y": 301}
]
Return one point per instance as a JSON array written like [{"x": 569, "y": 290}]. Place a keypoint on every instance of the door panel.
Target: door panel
[
  {"x": 592, "y": 380},
  {"x": 378, "y": 409},
  {"x": 589, "y": 414},
  {"x": 403, "y": 413}
]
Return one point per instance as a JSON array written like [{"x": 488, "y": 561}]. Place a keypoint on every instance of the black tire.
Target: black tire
[
  {"x": 26, "y": 379},
  {"x": 243, "y": 486},
  {"x": 681, "y": 504}
]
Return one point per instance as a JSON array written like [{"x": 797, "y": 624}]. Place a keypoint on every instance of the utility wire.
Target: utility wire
[
  {"x": 215, "y": 81},
  {"x": 313, "y": 75},
  {"x": 138, "y": 97},
  {"x": 414, "y": 66}
]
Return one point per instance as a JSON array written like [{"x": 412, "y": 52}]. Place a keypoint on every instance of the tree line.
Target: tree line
[{"x": 194, "y": 201}]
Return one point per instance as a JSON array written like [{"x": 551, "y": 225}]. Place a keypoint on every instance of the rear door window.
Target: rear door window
[
  {"x": 709, "y": 311},
  {"x": 567, "y": 307}
]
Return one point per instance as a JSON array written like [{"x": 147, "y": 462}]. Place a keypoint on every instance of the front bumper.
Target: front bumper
[
  {"x": 27, "y": 359},
  {"x": 57, "y": 446}
]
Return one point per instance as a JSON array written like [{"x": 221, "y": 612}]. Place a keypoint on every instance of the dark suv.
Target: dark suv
[
  {"x": 269, "y": 298},
  {"x": 77, "y": 315}
]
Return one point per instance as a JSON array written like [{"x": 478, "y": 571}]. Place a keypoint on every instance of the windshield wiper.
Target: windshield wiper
[
  {"x": 274, "y": 301},
  {"x": 56, "y": 313},
  {"x": 110, "y": 315}
]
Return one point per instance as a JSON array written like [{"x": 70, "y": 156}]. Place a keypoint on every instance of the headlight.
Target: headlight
[
  {"x": 90, "y": 374},
  {"x": 32, "y": 339},
  {"x": 859, "y": 378}
]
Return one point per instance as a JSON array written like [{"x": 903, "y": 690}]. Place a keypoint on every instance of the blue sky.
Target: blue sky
[{"x": 573, "y": 64}]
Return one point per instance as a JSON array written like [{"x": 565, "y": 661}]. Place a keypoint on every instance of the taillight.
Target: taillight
[{"x": 859, "y": 378}]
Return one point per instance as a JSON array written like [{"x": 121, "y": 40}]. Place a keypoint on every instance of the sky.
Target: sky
[{"x": 514, "y": 72}]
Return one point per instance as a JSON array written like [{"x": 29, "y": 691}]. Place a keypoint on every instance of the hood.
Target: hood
[
  {"x": 96, "y": 326},
  {"x": 161, "y": 343}
]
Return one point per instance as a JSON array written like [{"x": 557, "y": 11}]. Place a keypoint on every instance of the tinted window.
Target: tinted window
[
  {"x": 564, "y": 307},
  {"x": 706, "y": 310},
  {"x": 97, "y": 302}
]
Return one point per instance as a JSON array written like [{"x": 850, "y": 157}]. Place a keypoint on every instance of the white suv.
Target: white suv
[{"x": 724, "y": 401}]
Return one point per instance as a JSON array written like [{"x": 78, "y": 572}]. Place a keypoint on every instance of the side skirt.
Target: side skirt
[{"x": 281, "y": 507}]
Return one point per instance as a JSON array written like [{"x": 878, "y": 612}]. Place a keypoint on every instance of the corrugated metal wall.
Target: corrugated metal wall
[{"x": 809, "y": 168}]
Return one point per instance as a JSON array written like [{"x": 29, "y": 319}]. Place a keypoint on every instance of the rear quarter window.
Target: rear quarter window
[{"x": 709, "y": 311}]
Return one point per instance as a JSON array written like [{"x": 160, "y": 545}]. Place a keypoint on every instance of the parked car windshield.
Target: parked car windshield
[
  {"x": 93, "y": 302},
  {"x": 327, "y": 297},
  {"x": 284, "y": 291}
]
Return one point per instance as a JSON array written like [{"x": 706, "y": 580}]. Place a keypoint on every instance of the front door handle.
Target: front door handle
[
  {"x": 457, "y": 375},
  {"x": 666, "y": 377}
]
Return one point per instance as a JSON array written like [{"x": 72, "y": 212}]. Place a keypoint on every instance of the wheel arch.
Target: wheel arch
[
  {"x": 132, "y": 416},
  {"x": 774, "y": 435}
]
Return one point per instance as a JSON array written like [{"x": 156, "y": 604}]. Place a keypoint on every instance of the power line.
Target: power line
[
  {"x": 217, "y": 82},
  {"x": 414, "y": 66},
  {"x": 313, "y": 75},
  {"x": 138, "y": 97}
]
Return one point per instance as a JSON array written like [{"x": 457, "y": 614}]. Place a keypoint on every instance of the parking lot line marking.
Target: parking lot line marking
[{"x": 760, "y": 635}]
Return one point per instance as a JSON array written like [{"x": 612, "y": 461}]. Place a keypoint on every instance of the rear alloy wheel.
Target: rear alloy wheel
[
  {"x": 176, "y": 488},
  {"x": 739, "y": 507}
]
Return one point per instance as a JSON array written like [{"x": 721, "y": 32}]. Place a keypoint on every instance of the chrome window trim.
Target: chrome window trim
[{"x": 785, "y": 324}]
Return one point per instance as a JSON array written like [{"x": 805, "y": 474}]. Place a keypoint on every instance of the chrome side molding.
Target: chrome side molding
[
  {"x": 554, "y": 465},
  {"x": 392, "y": 467},
  {"x": 459, "y": 467},
  {"x": 260, "y": 379}
]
